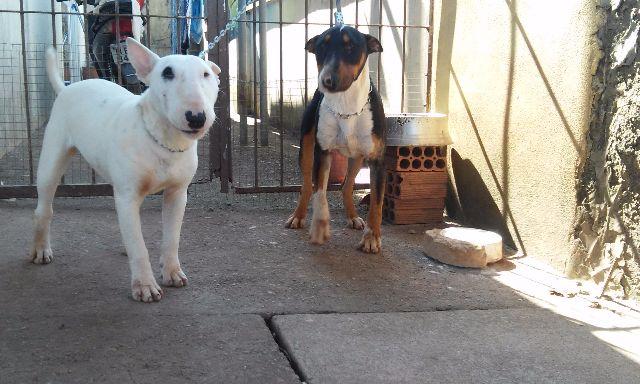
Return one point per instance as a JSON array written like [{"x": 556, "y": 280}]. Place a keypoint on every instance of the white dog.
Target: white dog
[{"x": 140, "y": 144}]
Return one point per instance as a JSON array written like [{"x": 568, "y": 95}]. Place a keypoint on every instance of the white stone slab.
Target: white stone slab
[{"x": 463, "y": 247}]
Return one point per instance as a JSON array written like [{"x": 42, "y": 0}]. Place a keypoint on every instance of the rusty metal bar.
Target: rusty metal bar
[
  {"x": 242, "y": 82},
  {"x": 118, "y": 57},
  {"x": 147, "y": 5},
  {"x": 281, "y": 101},
  {"x": 430, "y": 57},
  {"x": 53, "y": 22},
  {"x": 289, "y": 188},
  {"x": 179, "y": 28},
  {"x": 64, "y": 190},
  {"x": 54, "y": 41},
  {"x": 256, "y": 181},
  {"x": 379, "y": 39},
  {"x": 404, "y": 55},
  {"x": 89, "y": 13},
  {"x": 306, "y": 54},
  {"x": 27, "y": 102},
  {"x": 225, "y": 120},
  {"x": 264, "y": 91},
  {"x": 331, "y": 13},
  {"x": 220, "y": 147},
  {"x": 215, "y": 158}
]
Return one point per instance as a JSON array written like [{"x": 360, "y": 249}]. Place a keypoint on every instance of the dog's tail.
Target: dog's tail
[{"x": 52, "y": 70}]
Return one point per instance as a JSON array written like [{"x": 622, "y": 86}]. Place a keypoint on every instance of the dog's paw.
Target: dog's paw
[
  {"x": 41, "y": 256},
  {"x": 370, "y": 242},
  {"x": 355, "y": 223},
  {"x": 319, "y": 231},
  {"x": 146, "y": 290},
  {"x": 173, "y": 277},
  {"x": 295, "y": 222}
]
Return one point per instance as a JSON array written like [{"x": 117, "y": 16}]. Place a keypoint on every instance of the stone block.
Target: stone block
[{"x": 463, "y": 247}]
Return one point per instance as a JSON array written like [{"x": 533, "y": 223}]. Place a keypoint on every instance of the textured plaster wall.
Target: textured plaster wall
[
  {"x": 607, "y": 231},
  {"x": 515, "y": 76}
]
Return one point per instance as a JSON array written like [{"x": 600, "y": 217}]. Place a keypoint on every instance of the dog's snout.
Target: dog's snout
[
  {"x": 196, "y": 120},
  {"x": 329, "y": 81}
]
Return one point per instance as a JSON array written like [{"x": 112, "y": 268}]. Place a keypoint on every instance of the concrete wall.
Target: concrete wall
[{"x": 515, "y": 78}]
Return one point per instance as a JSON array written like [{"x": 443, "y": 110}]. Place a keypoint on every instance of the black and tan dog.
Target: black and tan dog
[{"x": 345, "y": 114}]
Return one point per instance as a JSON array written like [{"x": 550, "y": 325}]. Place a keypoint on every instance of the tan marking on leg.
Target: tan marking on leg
[
  {"x": 371, "y": 239},
  {"x": 353, "y": 220},
  {"x": 146, "y": 183},
  {"x": 320, "y": 228}
]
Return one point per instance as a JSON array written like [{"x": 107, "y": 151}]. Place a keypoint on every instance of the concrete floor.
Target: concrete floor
[{"x": 257, "y": 289}]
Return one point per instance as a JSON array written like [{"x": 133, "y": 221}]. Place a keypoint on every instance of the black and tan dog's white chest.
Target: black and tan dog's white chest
[
  {"x": 357, "y": 134},
  {"x": 346, "y": 114}
]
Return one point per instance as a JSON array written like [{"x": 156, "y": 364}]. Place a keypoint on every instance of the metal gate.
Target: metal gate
[
  {"x": 272, "y": 77},
  {"x": 267, "y": 79}
]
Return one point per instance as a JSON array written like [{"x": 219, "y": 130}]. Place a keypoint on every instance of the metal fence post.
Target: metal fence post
[{"x": 220, "y": 137}]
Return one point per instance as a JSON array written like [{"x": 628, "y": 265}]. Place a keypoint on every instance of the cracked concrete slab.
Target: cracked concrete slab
[
  {"x": 131, "y": 348},
  {"x": 525, "y": 345},
  {"x": 238, "y": 260}
]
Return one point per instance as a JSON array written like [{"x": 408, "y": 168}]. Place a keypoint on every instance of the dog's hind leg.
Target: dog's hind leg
[
  {"x": 353, "y": 220},
  {"x": 372, "y": 239},
  {"x": 173, "y": 205},
  {"x": 143, "y": 284},
  {"x": 319, "y": 230},
  {"x": 54, "y": 160}
]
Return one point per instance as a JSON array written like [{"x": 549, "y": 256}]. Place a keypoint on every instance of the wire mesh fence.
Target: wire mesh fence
[{"x": 267, "y": 81}]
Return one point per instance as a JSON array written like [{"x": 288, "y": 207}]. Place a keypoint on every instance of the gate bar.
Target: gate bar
[
  {"x": 26, "y": 90},
  {"x": 289, "y": 188}
]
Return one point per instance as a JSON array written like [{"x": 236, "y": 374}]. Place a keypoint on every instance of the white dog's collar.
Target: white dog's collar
[{"x": 162, "y": 145}]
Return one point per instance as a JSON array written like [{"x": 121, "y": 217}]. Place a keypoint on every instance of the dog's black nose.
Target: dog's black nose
[
  {"x": 196, "y": 121},
  {"x": 329, "y": 81}
]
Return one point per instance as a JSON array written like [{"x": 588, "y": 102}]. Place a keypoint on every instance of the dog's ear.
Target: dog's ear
[
  {"x": 142, "y": 59},
  {"x": 216, "y": 70},
  {"x": 373, "y": 45},
  {"x": 310, "y": 46}
]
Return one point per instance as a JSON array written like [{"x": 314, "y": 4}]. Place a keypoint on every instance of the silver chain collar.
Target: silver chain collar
[
  {"x": 346, "y": 116},
  {"x": 162, "y": 145}
]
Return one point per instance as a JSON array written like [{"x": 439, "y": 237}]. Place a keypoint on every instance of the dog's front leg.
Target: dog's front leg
[
  {"x": 143, "y": 284},
  {"x": 174, "y": 203},
  {"x": 353, "y": 220},
  {"x": 372, "y": 239},
  {"x": 319, "y": 230}
]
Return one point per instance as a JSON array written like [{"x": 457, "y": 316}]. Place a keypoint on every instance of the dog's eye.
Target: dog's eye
[
  {"x": 167, "y": 73},
  {"x": 206, "y": 74}
]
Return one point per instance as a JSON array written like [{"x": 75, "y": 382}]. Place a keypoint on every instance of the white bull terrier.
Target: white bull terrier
[{"x": 140, "y": 144}]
